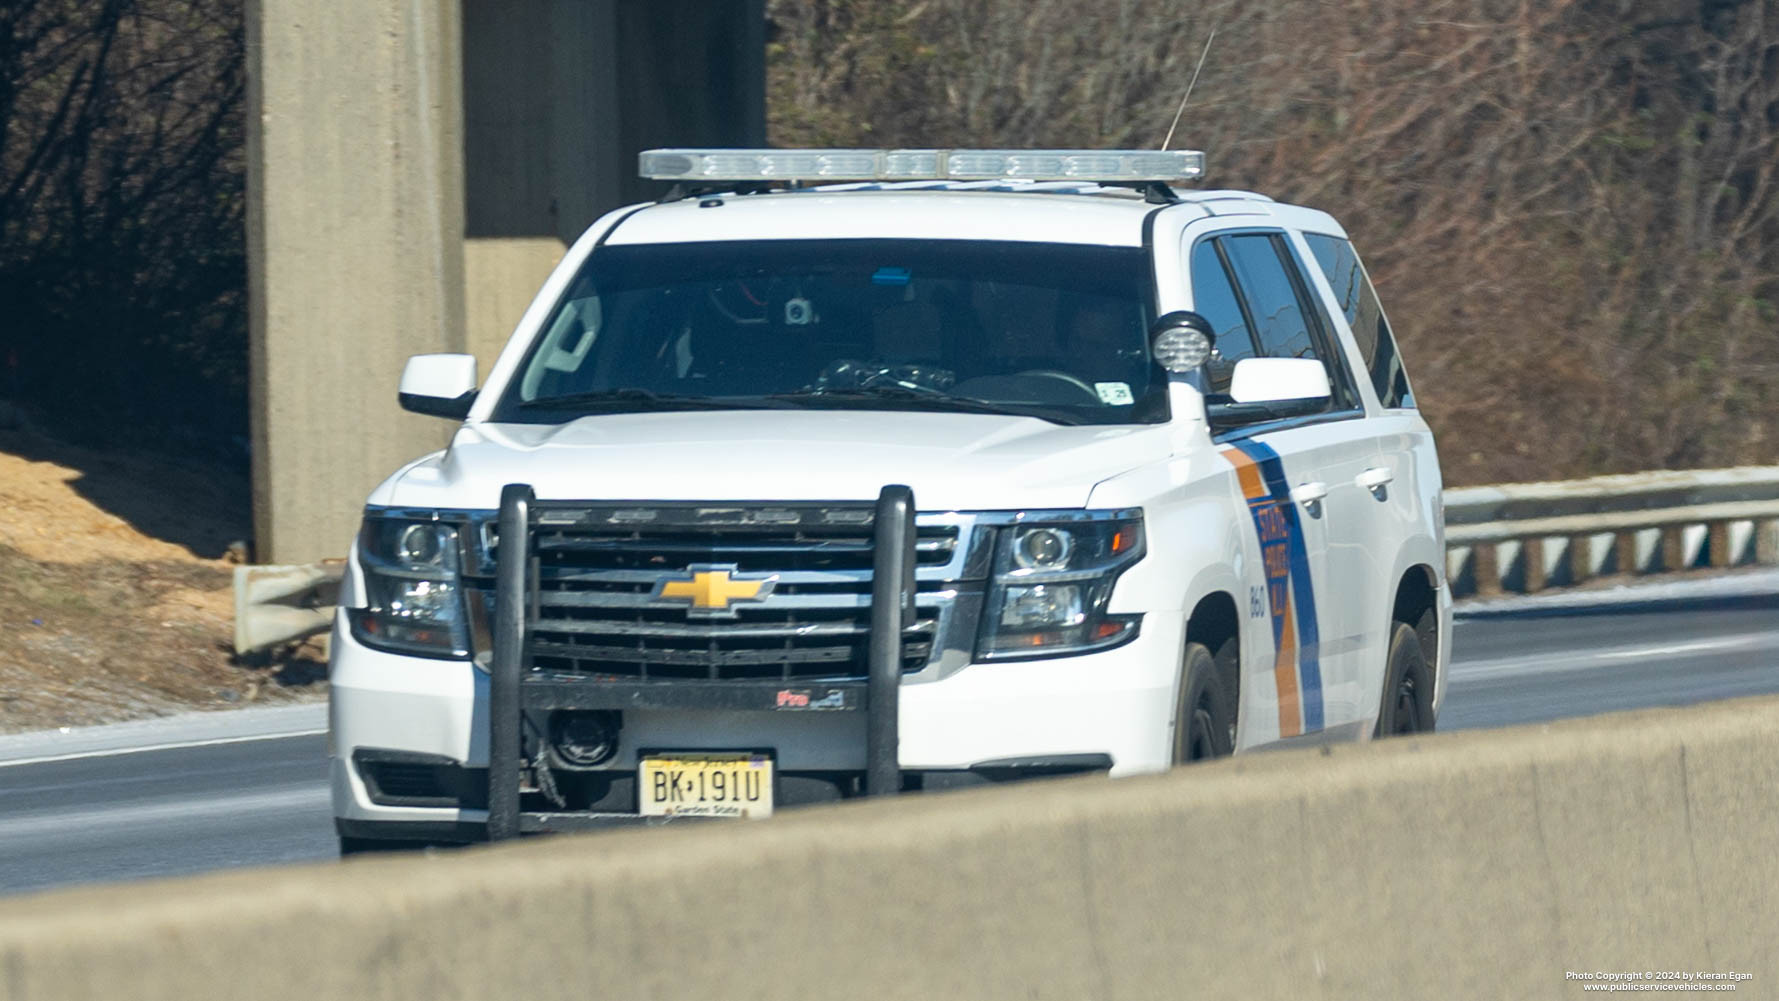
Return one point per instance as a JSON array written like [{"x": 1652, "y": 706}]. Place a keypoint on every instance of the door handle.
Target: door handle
[
  {"x": 1309, "y": 493},
  {"x": 1375, "y": 477}
]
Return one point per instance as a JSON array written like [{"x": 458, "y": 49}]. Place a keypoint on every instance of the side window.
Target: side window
[
  {"x": 1213, "y": 298},
  {"x": 1277, "y": 301},
  {"x": 1358, "y": 300},
  {"x": 1279, "y": 318}
]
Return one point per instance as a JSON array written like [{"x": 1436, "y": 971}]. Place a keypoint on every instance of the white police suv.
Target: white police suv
[{"x": 927, "y": 468}]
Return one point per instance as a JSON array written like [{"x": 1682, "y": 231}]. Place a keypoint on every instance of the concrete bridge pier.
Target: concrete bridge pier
[{"x": 415, "y": 168}]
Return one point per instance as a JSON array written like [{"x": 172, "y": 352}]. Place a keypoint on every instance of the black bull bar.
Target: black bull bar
[{"x": 511, "y": 692}]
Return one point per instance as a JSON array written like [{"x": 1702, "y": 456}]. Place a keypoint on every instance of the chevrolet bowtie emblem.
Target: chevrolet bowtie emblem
[{"x": 711, "y": 589}]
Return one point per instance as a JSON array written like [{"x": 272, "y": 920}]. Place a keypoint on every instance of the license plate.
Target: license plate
[{"x": 705, "y": 785}]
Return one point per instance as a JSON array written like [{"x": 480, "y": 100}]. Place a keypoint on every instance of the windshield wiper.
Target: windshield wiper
[
  {"x": 903, "y": 398},
  {"x": 638, "y": 400}
]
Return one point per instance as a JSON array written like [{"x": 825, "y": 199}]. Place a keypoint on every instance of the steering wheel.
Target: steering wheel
[{"x": 1050, "y": 373}]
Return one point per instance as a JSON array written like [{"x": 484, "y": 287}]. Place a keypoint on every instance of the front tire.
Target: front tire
[
  {"x": 1407, "y": 705},
  {"x": 1204, "y": 721}
]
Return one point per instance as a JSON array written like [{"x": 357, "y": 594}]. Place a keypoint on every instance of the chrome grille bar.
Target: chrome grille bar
[
  {"x": 596, "y": 568},
  {"x": 609, "y": 627}
]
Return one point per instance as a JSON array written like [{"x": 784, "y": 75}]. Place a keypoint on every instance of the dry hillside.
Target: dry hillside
[{"x": 115, "y": 597}]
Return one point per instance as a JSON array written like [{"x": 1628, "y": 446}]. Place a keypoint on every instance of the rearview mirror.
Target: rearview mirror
[{"x": 439, "y": 385}]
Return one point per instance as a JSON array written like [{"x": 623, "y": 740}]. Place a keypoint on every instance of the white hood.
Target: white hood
[{"x": 953, "y": 462}]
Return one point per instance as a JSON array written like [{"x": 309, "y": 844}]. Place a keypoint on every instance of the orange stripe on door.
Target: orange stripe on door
[
  {"x": 1247, "y": 473},
  {"x": 1284, "y": 674}
]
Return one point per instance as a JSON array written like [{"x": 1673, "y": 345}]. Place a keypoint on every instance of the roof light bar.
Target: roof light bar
[{"x": 1124, "y": 165}]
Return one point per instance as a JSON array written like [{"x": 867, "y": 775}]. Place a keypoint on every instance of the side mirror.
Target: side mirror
[
  {"x": 439, "y": 385},
  {"x": 1276, "y": 380},
  {"x": 1181, "y": 341},
  {"x": 1270, "y": 389}
]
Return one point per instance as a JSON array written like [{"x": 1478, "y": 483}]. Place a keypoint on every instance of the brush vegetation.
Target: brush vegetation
[{"x": 1569, "y": 206}]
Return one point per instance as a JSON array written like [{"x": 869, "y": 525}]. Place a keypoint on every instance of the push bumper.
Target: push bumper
[
  {"x": 418, "y": 741},
  {"x": 1106, "y": 712}
]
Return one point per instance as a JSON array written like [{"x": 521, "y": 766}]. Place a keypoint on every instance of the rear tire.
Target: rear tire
[
  {"x": 1204, "y": 721},
  {"x": 1407, "y": 705}
]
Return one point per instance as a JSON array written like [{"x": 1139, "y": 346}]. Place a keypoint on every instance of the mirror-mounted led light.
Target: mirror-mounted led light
[
  {"x": 1182, "y": 349},
  {"x": 1124, "y": 165},
  {"x": 1181, "y": 342}
]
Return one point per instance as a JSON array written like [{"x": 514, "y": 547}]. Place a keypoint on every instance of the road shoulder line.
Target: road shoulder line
[
  {"x": 1747, "y": 582},
  {"x": 193, "y": 729}
]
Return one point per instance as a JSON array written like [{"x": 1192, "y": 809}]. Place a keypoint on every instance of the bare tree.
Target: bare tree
[
  {"x": 122, "y": 267},
  {"x": 1569, "y": 205}
]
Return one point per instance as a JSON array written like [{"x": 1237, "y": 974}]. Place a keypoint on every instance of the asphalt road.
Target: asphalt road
[
  {"x": 108, "y": 815},
  {"x": 164, "y": 813}
]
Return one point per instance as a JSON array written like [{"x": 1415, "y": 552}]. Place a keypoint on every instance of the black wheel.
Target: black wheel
[
  {"x": 1204, "y": 721},
  {"x": 1407, "y": 706},
  {"x": 369, "y": 846}
]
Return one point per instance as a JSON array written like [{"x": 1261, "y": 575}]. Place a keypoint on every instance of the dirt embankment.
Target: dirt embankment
[{"x": 115, "y": 597}]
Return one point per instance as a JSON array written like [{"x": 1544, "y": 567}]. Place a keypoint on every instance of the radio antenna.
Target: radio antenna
[{"x": 1190, "y": 84}]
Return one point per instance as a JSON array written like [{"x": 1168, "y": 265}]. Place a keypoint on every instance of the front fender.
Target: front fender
[{"x": 1200, "y": 544}]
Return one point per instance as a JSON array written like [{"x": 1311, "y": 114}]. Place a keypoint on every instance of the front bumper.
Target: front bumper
[{"x": 1109, "y": 711}]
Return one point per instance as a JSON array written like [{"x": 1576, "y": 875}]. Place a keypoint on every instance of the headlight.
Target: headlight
[
  {"x": 1051, "y": 584},
  {"x": 413, "y": 599}
]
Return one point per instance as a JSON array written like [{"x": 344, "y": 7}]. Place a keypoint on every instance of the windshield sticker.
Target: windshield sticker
[
  {"x": 891, "y": 276},
  {"x": 1113, "y": 394}
]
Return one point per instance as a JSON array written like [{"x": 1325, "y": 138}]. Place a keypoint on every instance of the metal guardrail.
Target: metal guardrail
[
  {"x": 275, "y": 605},
  {"x": 1525, "y": 537},
  {"x": 1519, "y": 537}
]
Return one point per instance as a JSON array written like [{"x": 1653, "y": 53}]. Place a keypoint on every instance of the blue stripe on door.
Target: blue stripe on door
[{"x": 1309, "y": 666}]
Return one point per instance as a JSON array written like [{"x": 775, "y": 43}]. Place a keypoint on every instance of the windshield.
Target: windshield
[{"x": 1054, "y": 331}]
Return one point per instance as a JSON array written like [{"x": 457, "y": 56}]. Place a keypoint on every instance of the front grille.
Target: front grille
[
  {"x": 752, "y": 548},
  {"x": 631, "y": 641},
  {"x": 596, "y": 570}
]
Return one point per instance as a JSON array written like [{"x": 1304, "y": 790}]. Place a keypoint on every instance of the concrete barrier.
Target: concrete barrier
[{"x": 1475, "y": 865}]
